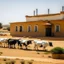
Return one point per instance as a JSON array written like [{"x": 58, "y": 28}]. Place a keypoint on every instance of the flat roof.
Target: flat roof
[{"x": 44, "y": 15}]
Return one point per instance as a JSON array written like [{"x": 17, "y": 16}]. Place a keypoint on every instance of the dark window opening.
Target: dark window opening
[
  {"x": 36, "y": 28},
  {"x": 57, "y": 28},
  {"x": 29, "y": 28},
  {"x": 20, "y": 28},
  {"x": 16, "y": 28}
]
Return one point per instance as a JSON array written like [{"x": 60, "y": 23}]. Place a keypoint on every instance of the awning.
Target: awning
[{"x": 48, "y": 24}]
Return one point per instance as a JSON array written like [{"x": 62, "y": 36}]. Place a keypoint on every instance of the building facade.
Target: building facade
[{"x": 47, "y": 25}]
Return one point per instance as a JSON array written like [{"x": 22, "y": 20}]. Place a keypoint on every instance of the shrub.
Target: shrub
[
  {"x": 7, "y": 63},
  {"x": 4, "y": 59},
  {"x": 12, "y": 62},
  {"x": 1, "y": 53},
  {"x": 57, "y": 50},
  {"x": 22, "y": 62},
  {"x": 30, "y": 62}
]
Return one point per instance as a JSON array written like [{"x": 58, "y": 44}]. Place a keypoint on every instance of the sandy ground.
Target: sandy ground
[
  {"x": 31, "y": 53},
  {"x": 18, "y": 61}
]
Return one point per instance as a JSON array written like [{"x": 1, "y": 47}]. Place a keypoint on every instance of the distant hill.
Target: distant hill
[{"x": 6, "y": 25}]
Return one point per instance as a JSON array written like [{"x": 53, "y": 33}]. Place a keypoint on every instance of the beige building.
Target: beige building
[{"x": 47, "y": 25}]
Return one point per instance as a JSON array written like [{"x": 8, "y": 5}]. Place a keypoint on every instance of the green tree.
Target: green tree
[{"x": 1, "y": 25}]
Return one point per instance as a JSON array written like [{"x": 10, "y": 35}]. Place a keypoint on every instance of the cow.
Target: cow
[
  {"x": 13, "y": 42},
  {"x": 41, "y": 43},
  {"x": 25, "y": 42},
  {"x": 3, "y": 41}
]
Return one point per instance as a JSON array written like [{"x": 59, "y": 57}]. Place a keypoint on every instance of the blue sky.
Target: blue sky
[{"x": 16, "y": 10}]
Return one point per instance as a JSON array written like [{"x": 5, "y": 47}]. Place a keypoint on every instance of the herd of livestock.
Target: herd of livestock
[{"x": 24, "y": 42}]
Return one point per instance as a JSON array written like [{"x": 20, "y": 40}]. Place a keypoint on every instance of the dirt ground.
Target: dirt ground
[
  {"x": 21, "y": 61},
  {"x": 31, "y": 53}
]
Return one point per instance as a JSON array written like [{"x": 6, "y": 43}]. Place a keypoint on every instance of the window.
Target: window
[
  {"x": 20, "y": 28},
  {"x": 57, "y": 28},
  {"x": 36, "y": 28},
  {"x": 16, "y": 29},
  {"x": 29, "y": 28}
]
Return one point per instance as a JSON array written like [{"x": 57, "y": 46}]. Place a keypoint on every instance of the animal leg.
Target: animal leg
[
  {"x": 26, "y": 46},
  {"x": 4, "y": 45},
  {"x": 35, "y": 47},
  {"x": 9, "y": 46},
  {"x": 14, "y": 45},
  {"x": 43, "y": 47},
  {"x": 21, "y": 46},
  {"x": 18, "y": 46}
]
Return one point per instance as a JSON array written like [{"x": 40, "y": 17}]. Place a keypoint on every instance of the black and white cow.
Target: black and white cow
[
  {"x": 25, "y": 42},
  {"x": 13, "y": 42}
]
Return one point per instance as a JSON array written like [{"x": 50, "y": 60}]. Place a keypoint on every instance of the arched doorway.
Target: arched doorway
[
  {"x": 48, "y": 29},
  {"x": 48, "y": 32}
]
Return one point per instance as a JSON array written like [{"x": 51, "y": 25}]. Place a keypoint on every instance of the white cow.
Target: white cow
[
  {"x": 3, "y": 41},
  {"x": 40, "y": 43}
]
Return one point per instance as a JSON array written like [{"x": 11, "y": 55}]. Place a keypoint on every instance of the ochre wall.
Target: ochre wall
[
  {"x": 40, "y": 33},
  {"x": 58, "y": 22}
]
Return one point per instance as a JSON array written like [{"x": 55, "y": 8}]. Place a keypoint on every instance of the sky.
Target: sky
[{"x": 16, "y": 10}]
